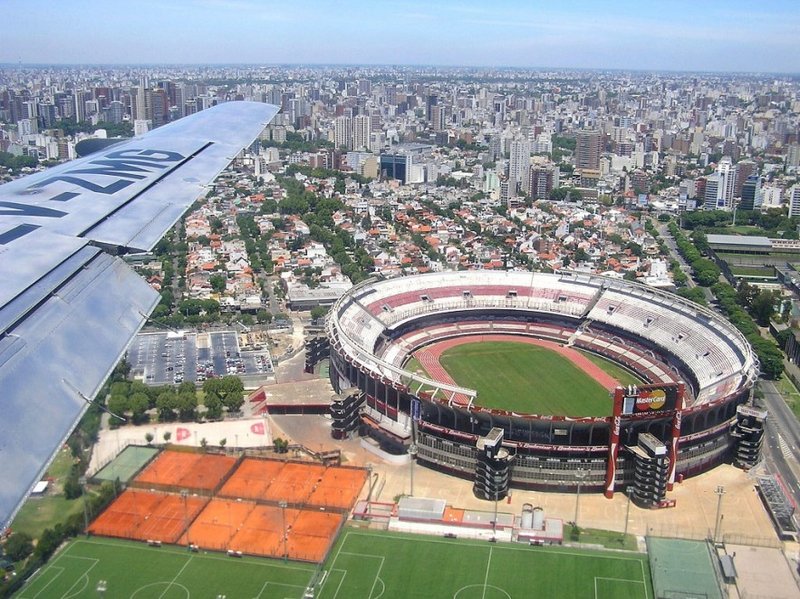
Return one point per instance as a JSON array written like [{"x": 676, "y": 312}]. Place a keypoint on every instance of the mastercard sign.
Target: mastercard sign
[
  {"x": 647, "y": 399},
  {"x": 651, "y": 399}
]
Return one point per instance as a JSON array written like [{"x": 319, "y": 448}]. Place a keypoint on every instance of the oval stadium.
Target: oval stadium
[{"x": 542, "y": 381}]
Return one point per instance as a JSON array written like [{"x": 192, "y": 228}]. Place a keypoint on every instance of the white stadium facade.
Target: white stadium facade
[{"x": 698, "y": 358}]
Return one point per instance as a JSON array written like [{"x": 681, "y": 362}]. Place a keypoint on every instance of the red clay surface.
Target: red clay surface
[
  {"x": 144, "y": 516},
  {"x": 430, "y": 354},
  {"x": 259, "y": 530},
  {"x": 187, "y": 470},
  {"x": 294, "y": 483},
  {"x": 338, "y": 488},
  {"x": 251, "y": 479}
]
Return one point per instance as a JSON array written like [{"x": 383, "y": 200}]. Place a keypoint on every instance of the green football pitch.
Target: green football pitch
[
  {"x": 137, "y": 571},
  {"x": 525, "y": 378},
  {"x": 372, "y": 565},
  {"x": 362, "y": 565}
]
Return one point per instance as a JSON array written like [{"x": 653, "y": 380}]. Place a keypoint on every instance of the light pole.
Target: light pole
[
  {"x": 494, "y": 522},
  {"x": 579, "y": 475},
  {"x": 283, "y": 505},
  {"x": 719, "y": 491},
  {"x": 412, "y": 453},
  {"x": 369, "y": 484},
  {"x": 82, "y": 482},
  {"x": 185, "y": 497},
  {"x": 629, "y": 494}
]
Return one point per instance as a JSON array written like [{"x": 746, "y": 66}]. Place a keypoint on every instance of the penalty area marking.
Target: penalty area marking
[
  {"x": 277, "y": 584},
  {"x": 166, "y": 584},
  {"x": 496, "y": 593},
  {"x": 617, "y": 580}
]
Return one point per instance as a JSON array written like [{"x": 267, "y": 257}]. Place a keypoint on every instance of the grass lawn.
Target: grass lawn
[
  {"x": 396, "y": 566},
  {"x": 39, "y": 513},
  {"x": 525, "y": 378},
  {"x": 136, "y": 570},
  {"x": 618, "y": 372},
  {"x": 790, "y": 394}
]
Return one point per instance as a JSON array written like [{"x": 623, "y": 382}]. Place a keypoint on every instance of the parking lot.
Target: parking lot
[{"x": 162, "y": 358}]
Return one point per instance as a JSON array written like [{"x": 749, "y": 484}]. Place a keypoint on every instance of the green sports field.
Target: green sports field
[
  {"x": 362, "y": 565},
  {"x": 372, "y": 565},
  {"x": 137, "y": 571},
  {"x": 525, "y": 378}
]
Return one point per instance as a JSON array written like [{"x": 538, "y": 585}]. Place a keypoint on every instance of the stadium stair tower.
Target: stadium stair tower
[
  {"x": 493, "y": 468},
  {"x": 651, "y": 471},
  {"x": 345, "y": 413},
  {"x": 317, "y": 349},
  {"x": 748, "y": 433}
]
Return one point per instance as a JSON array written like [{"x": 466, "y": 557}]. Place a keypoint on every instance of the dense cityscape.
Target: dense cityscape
[{"x": 674, "y": 182}]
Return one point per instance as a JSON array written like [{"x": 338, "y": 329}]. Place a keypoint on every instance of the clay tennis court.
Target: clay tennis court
[
  {"x": 217, "y": 524},
  {"x": 312, "y": 535},
  {"x": 144, "y": 515},
  {"x": 294, "y": 483},
  {"x": 251, "y": 479},
  {"x": 258, "y": 530},
  {"x": 234, "y": 520},
  {"x": 338, "y": 488},
  {"x": 177, "y": 469}
]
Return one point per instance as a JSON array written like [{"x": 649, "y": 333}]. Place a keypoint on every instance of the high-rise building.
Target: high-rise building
[
  {"x": 519, "y": 165},
  {"x": 751, "y": 193},
  {"x": 361, "y": 131},
  {"x": 792, "y": 157},
  {"x": 587, "y": 149},
  {"x": 794, "y": 201},
  {"x": 543, "y": 180},
  {"x": 343, "y": 132},
  {"x": 720, "y": 186}
]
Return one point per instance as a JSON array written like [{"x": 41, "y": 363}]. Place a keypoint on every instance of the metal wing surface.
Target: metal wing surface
[{"x": 68, "y": 306}]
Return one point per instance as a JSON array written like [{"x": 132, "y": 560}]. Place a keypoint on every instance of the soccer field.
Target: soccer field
[
  {"x": 137, "y": 571},
  {"x": 370, "y": 565},
  {"x": 525, "y": 378}
]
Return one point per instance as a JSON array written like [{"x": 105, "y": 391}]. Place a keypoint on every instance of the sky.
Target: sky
[{"x": 675, "y": 35}]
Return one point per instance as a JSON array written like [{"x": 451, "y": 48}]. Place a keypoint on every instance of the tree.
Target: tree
[
  {"x": 186, "y": 404},
  {"x": 763, "y": 307},
  {"x": 139, "y": 404},
  {"x": 228, "y": 389},
  {"x": 223, "y": 442},
  {"x": 694, "y": 294},
  {"x": 203, "y": 443},
  {"x": 72, "y": 487},
  {"x": 218, "y": 282},
  {"x": 165, "y": 404},
  {"x": 167, "y": 436},
  {"x": 118, "y": 404},
  {"x": 318, "y": 312},
  {"x": 149, "y": 438},
  {"x": 19, "y": 546},
  {"x": 213, "y": 405}
]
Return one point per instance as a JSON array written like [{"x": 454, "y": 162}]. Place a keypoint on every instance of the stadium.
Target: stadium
[{"x": 683, "y": 414}]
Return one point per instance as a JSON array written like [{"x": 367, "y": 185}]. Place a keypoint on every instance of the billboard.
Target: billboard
[{"x": 648, "y": 399}]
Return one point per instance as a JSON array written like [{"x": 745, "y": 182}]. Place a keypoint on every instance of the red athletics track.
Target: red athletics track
[{"x": 430, "y": 354}]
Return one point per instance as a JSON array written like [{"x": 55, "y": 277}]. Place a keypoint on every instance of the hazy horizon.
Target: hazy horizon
[{"x": 676, "y": 36}]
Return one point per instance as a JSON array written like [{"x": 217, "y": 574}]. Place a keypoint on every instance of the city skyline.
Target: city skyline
[{"x": 582, "y": 35}]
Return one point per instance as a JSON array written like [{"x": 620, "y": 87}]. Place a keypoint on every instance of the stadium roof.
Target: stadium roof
[{"x": 756, "y": 241}]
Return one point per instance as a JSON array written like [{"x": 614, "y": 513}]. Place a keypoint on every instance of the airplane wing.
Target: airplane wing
[{"x": 68, "y": 306}]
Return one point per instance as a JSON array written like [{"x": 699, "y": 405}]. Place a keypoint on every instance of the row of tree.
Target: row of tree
[
  {"x": 134, "y": 400},
  {"x": 706, "y": 272},
  {"x": 734, "y": 303}
]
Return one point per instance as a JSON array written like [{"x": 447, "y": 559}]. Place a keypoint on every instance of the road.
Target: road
[
  {"x": 663, "y": 231},
  {"x": 782, "y": 442}
]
